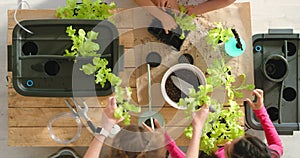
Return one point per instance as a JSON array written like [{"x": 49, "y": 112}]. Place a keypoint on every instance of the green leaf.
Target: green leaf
[
  {"x": 118, "y": 113},
  {"x": 131, "y": 107},
  {"x": 88, "y": 9},
  {"x": 184, "y": 21},
  {"x": 88, "y": 69}
]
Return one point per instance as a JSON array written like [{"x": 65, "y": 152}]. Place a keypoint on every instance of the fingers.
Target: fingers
[
  {"x": 147, "y": 127},
  {"x": 259, "y": 94},
  {"x": 157, "y": 124},
  {"x": 166, "y": 31},
  {"x": 250, "y": 103}
]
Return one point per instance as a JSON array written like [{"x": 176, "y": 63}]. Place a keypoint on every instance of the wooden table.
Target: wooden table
[{"x": 28, "y": 117}]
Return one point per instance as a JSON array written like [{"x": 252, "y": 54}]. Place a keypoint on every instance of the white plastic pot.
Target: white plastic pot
[{"x": 174, "y": 68}]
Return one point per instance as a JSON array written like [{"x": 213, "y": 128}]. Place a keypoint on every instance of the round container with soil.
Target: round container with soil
[{"x": 186, "y": 72}]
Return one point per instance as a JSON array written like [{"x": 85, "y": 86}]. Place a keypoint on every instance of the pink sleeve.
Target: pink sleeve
[
  {"x": 220, "y": 153},
  {"x": 271, "y": 134},
  {"x": 173, "y": 149}
]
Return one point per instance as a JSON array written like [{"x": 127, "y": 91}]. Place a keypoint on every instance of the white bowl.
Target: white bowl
[{"x": 176, "y": 67}]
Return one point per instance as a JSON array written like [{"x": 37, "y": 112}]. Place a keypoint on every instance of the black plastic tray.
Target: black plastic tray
[
  {"x": 39, "y": 67},
  {"x": 276, "y": 71}
]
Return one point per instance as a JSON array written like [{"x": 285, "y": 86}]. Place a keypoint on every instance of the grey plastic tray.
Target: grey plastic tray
[
  {"x": 276, "y": 71},
  {"x": 39, "y": 67}
]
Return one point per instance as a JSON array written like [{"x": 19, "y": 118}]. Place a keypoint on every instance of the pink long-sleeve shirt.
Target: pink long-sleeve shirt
[
  {"x": 173, "y": 149},
  {"x": 271, "y": 134}
]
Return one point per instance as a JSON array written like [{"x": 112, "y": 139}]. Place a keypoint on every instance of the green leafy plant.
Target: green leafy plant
[
  {"x": 218, "y": 35},
  {"x": 88, "y": 9},
  {"x": 223, "y": 125},
  {"x": 84, "y": 46},
  {"x": 184, "y": 21}
]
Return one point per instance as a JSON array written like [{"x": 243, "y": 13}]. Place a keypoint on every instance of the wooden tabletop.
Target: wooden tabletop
[{"x": 28, "y": 117}]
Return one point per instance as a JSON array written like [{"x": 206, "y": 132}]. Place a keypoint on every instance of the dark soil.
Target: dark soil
[{"x": 175, "y": 93}]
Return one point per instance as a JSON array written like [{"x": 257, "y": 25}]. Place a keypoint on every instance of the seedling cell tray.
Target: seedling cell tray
[
  {"x": 276, "y": 71},
  {"x": 172, "y": 38},
  {"x": 40, "y": 69}
]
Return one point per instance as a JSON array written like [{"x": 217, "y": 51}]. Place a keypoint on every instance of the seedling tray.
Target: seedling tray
[
  {"x": 276, "y": 71},
  {"x": 172, "y": 38},
  {"x": 40, "y": 69}
]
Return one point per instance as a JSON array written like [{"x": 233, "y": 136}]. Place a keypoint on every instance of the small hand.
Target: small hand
[
  {"x": 168, "y": 22},
  {"x": 260, "y": 99},
  {"x": 199, "y": 117},
  {"x": 108, "y": 118},
  {"x": 156, "y": 123}
]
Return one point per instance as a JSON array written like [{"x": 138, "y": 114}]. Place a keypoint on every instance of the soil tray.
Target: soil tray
[{"x": 40, "y": 69}]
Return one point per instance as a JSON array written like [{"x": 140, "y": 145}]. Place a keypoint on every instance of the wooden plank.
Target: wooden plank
[
  {"x": 23, "y": 117},
  {"x": 122, "y": 18},
  {"x": 129, "y": 58},
  {"x": 40, "y": 137},
  {"x": 28, "y": 14},
  {"x": 126, "y": 38}
]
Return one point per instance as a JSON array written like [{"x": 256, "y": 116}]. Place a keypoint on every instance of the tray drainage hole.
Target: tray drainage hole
[
  {"x": 273, "y": 113},
  {"x": 154, "y": 59},
  {"x": 29, "y": 83},
  {"x": 186, "y": 58},
  {"x": 276, "y": 68},
  {"x": 289, "y": 94},
  {"x": 52, "y": 68},
  {"x": 258, "y": 48},
  {"x": 29, "y": 48},
  {"x": 291, "y": 49}
]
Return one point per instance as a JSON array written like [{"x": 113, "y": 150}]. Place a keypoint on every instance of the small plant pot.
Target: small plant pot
[
  {"x": 275, "y": 68},
  {"x": 187, "y": 72},
  {"x": 231, "y": 47},
  {"x": 172, "y": 38}
]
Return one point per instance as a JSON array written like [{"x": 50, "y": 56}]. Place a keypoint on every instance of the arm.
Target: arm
[
  {"x": 260, "y": 111},
  {"x": 173, "y": 149},
  {"x": 95, "y": 147},
  {"x": 208, "y": 6},
  {"x": 197, "y": 123},
  {"x": 167, "y": 21},
  {"x": 271, "y": 134},
  {"x": 108, "y": 121}
]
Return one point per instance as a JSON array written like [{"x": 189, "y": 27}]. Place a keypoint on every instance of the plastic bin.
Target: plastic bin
[
  {"x": 276, "y": 71},
  {"x": 40, "y": 69}
]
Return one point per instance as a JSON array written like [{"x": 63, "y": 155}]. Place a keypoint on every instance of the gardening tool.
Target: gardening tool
[
  {"x": 82, "y": 110},
  {"x": 182, "y": 84},
  {"x": 150, "y": 114}
]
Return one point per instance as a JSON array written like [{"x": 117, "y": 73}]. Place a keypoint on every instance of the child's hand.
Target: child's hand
[
  {"x": 162, "y": 3},
  {"x": 108, "y": 118},
  {"x": 156, "y": 123},
  {"x": 168, "y": 22},
  {"x": 200, "y": 117},
  {"x": 260, "y": 99}
]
